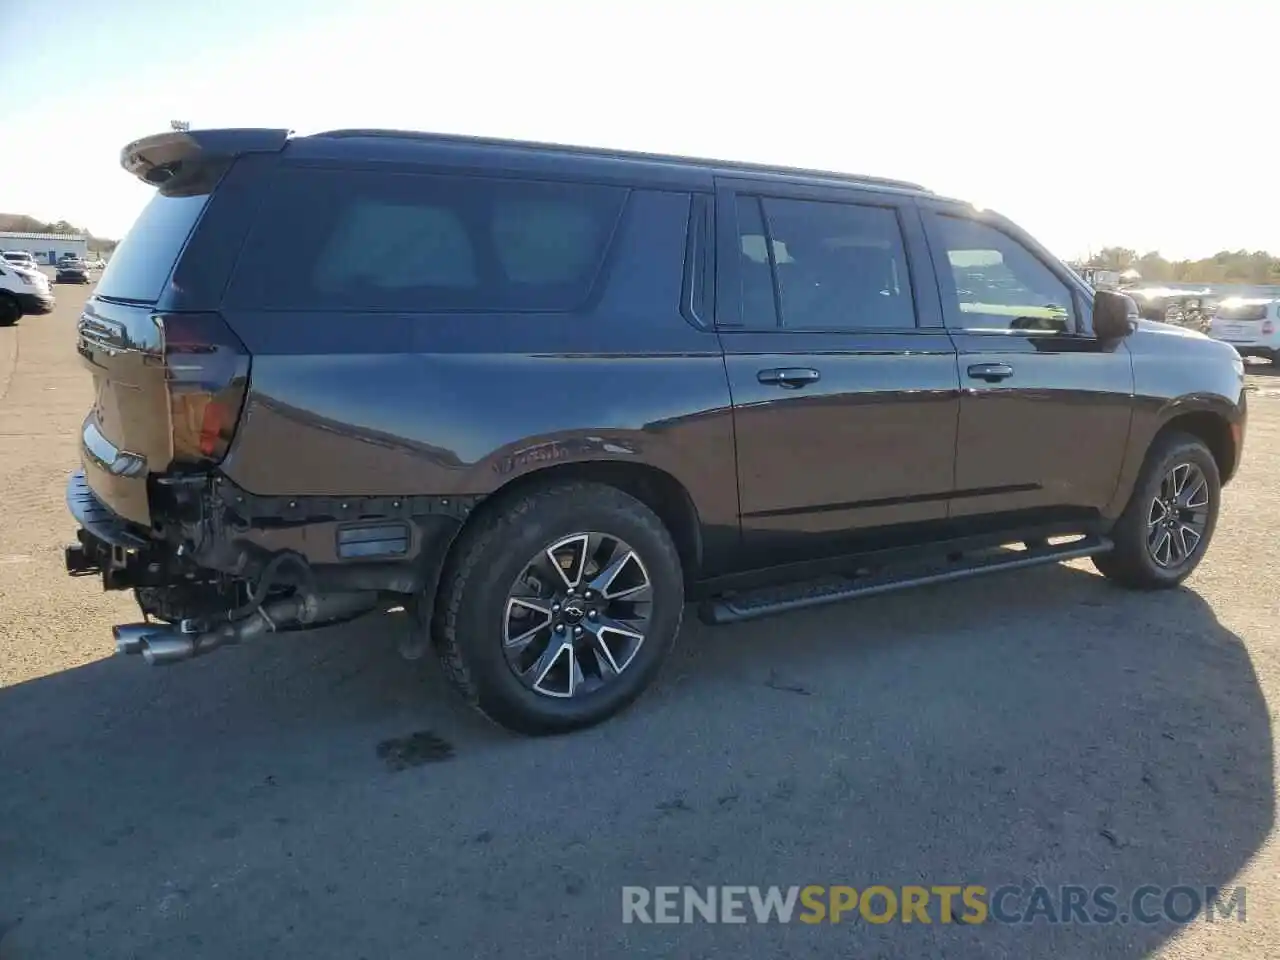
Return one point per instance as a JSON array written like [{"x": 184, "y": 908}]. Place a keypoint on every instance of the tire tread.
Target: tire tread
[
  {"x": 475, "y": 544},
  {"x": 1127, "y": 564}
]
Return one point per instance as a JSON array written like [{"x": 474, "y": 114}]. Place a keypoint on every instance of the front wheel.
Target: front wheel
[
  {"x": 559, "y": 608},
  {"x": 1166, "y": 527}
]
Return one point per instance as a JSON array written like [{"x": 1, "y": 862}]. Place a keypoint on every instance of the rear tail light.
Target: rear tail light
[
  {"x": 1268, "y": 327},
  {"x": 207, "y": 374}
]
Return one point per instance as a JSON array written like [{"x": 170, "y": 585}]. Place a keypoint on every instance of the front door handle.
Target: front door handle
[
  {"x": 790, "y": 378},
  {"x": 991, "y": 372}
]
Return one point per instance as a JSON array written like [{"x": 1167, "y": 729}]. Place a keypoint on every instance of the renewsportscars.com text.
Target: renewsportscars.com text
[{"x": 944, "y": 903}]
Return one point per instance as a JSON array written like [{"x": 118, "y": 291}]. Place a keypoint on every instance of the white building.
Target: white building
[{"x": 45, "y": 247}]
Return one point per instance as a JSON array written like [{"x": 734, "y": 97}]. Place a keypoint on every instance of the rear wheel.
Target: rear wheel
[
  {"x": 559, "y": 609},
  {"x": 1165, "y": 530},
  {"x": 9, "y": 310}
]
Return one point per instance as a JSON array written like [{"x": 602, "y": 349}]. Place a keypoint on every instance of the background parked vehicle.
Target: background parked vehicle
[
  {"x": 1252, "y": 326},
  {"x": 20, "y": 258},
  {"x": 71, "y": 270},
  {"x": 1185, "y": 308},
  {"x": 23, "y": 290}
]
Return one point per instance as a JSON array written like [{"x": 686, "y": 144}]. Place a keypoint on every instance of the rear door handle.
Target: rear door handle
[
  {"x": 790, "y": 378},
  {"x": 990, "y": 372}
]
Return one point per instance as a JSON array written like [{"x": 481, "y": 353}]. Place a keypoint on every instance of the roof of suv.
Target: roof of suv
[{"x": 388, "y": 144}]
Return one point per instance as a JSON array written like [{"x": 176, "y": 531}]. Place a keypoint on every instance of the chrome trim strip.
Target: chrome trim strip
[{"x": 107, "y": 455}]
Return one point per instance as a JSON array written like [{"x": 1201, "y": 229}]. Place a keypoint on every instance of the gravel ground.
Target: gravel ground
[{"x": 1040, "y": 727}]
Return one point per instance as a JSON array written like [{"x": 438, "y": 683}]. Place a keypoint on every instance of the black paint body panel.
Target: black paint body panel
[{"x": 895, "y": 443}]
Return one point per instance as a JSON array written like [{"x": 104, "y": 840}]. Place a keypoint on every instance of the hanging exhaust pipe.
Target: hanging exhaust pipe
[
  {"x": 161, "y": 649},
  {"x": 129, "y": 636},
  {"x": 172, "y": 645}
]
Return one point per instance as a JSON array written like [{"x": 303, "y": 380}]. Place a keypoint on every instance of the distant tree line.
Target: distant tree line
[
  {"x": 21, "y": 223},
  {"x": 1239, "y": 266}
]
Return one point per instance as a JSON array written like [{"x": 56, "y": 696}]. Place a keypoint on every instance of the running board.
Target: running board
[{"x": 800, "y": 596}]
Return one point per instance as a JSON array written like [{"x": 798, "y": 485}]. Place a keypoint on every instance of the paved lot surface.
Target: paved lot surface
[{"x": 1037, "y": 728}]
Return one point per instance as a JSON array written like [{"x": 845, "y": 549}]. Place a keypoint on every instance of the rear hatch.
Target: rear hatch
[
  {"x": 1242, "y": 322},
  {"x": 168, "y": 382}
]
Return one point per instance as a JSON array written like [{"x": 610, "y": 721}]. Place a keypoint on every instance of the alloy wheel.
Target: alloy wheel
[
  {"x": 577, "y": 615},
  {"x": 1178, "y": 515}
]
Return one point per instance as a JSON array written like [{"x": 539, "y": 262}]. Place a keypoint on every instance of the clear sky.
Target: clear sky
[{"x": 1145, "y": 124}]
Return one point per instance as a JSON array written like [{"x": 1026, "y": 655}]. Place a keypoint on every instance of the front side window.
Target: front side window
[
  {"x": 998, "y": 284},
  {"x": 356, "y": 241}
]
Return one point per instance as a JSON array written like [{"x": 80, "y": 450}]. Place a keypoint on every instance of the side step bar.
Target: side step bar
[{"x": 800, "y": 596}]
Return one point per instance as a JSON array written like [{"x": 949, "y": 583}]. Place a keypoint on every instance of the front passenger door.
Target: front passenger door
[{"x": 1045, "y": 407}]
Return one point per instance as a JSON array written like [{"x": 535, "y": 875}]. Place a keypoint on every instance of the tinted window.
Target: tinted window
[
  {"x": 999, "y": 283},
  {"x": 698, "y": 266},
  {"x": 839, "y": 266},
  {"x": 329, "y": 240},
  {"x": 758, "y": 306},
  {"x": 142, "y": 263}
]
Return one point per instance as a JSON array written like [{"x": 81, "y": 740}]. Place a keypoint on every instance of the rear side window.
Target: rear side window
[
  {"x": 837, "y": 266},
  {"x": 758, "y": 306},
  {"x": 143, "y": 261},
  {"x": 329, "y": 240}
]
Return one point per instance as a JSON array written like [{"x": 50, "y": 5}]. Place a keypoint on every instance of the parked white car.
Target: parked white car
[
  {"x": 20, "y": 258},
  {"x": 1252, "y": 326},
  {"x": 23, "y": 290}
]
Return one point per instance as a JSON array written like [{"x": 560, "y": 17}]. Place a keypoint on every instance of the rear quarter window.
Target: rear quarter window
[
  {"x": 333, "y": 240},
  {"x": 142, "y": 263}
]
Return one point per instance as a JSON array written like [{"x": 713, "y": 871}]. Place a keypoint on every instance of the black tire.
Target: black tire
[
  {"x": 1131, "y": 563},
  {"x": 10, "y": 311},
  {"x": 470, "y": 612}
]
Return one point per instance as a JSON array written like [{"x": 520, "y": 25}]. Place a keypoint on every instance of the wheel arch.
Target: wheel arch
[
  {"x": 1214, "y": 430},
  {"x": 1214, "y": 420},
  {"x": 657, "y": 489}
]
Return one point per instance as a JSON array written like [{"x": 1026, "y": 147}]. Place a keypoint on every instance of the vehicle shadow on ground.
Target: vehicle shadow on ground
[{"x": 1034, "y": 728}]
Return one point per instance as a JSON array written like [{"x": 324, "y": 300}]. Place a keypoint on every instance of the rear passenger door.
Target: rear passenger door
[{"x": 844, "y": 383}]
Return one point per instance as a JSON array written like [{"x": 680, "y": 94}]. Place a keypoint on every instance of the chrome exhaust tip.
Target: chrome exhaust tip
[
  {"x": 130, "y": 636},
  {"x": 162, "y": 649}
]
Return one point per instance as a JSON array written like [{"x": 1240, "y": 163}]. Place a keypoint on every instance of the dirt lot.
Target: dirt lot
[{"x": 1040, "y": 728}]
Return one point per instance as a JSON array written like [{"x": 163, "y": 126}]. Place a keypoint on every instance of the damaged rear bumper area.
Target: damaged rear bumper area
[{"x": 220, "y": 566}]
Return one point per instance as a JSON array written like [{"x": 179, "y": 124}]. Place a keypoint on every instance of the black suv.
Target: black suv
[{"x": 542, "y": 396}]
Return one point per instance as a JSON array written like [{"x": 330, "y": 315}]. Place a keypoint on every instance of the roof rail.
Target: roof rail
[{"x": 607, "y": 153}]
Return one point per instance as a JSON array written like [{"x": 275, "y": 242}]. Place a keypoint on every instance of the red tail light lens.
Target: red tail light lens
[
  {"x": 207, "y": 374},
  {"x": 1268, "y": 327}
]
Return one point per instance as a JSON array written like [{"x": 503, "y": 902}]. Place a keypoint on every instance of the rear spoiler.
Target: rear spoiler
[{"x": 158, "y": 159}]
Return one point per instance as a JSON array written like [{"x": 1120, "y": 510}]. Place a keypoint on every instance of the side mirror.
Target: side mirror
[{"x": 1115, "y": 316}]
